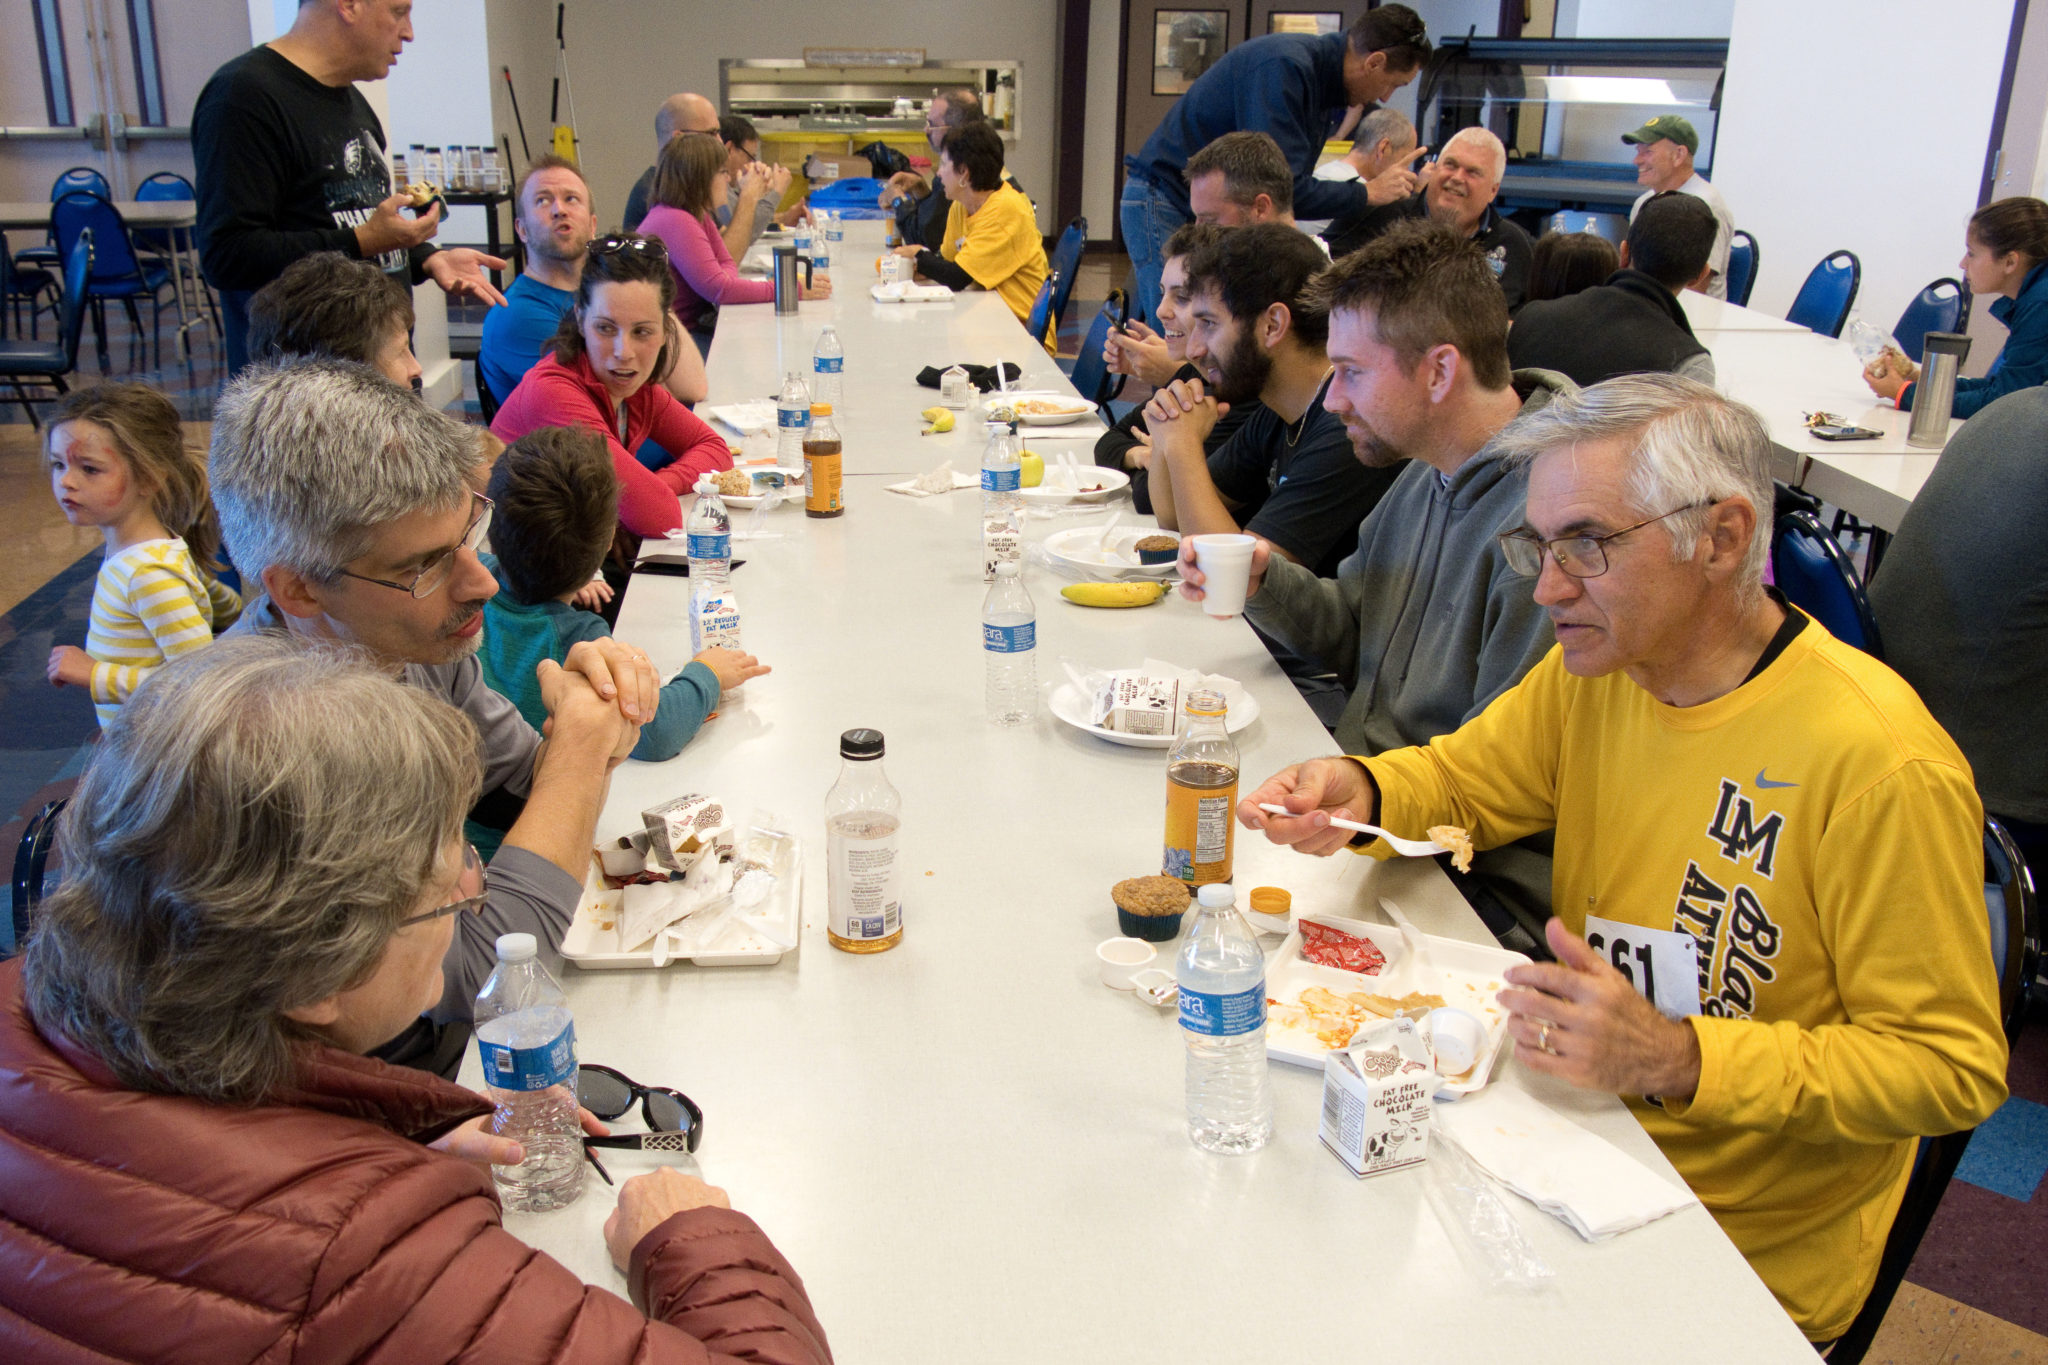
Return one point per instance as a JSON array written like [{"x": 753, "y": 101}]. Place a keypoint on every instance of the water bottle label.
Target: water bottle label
[
  {"x": 1009, "y": 639},
  {"x": 1223, "y": 1016},
  {"x": 792, "y": 418},
  {"x": 530, "y": 1068},
  {"x": 830, "y": 364},
  {"x": 702, "y": 546},
  {"x": 1006, "y": 480}
]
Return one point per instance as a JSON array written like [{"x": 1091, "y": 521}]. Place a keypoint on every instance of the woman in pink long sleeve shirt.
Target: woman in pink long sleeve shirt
[
  {"x": 689, "y": 179},
  {"x": 614, "y": 347}
]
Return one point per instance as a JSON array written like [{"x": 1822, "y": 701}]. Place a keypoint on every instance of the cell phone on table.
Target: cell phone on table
[
  {"x": 670, "y": 566},
  {"x": 1831, "y": 432}
]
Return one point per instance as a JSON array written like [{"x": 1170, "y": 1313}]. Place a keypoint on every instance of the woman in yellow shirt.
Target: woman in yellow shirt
[{"x": 992, "y": 239}]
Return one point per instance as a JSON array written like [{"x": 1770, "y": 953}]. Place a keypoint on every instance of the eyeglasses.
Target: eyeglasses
[
  {"x": 473, "y": 873},
  {"x": 676, "y": 1121},
  {"x": 1579, "y": 556},
  {"x": 619, "y": 244},
  {"x": 439, "y": 567}
]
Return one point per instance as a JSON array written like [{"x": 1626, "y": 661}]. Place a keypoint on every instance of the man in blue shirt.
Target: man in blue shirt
[{"x": 1292, "y": 87}]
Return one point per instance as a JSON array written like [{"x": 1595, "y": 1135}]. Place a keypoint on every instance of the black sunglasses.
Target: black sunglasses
[
  {"x": 618, "y": 244},
  {"x": 676, "y": 1121}
]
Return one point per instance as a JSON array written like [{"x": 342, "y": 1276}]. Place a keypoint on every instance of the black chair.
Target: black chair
[
  {"x": 1818, "y": 578},
  {"x": 31, "y": 861},
  {"x": 2015, "y": 952},
  {"x": 1092, "y": 378},
  {"x": 1064, "y": 264},
  {"x": 1824, "y": 301},
  {"x": 45, "y": 363},
  {"x": 485, "y": 399},
  {"x": 1744, "y": 257}
]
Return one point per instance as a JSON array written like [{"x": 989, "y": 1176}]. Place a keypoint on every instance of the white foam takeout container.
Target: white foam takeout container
[{"x": 1467, "y": 975}]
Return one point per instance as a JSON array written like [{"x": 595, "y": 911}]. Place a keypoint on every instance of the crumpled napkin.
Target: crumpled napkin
[
  {"x": 1595, "y": 1187},
  {"x": 944, "y": 479},
  {"x": 903, "y": 291},
  {"x": 745, "y": 418}
]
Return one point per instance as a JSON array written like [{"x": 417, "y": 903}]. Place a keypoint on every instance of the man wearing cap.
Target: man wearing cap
[{"x": 1664, "y": 151}]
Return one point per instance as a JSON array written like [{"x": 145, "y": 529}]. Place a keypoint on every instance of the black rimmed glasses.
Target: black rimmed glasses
[
  {"x": 473, "y": 874},
  {"x": 438, "y": 568},
  {"x": 676, "y": 1122},
  {"x": 1579, "y": 556},
  {"x": 619, "y": 244}
]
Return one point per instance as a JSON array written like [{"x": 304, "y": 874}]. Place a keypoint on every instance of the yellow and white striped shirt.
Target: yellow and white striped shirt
[{"x": 150, "y": 604}]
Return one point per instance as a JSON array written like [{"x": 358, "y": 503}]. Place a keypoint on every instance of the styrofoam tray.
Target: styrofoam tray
[
  {"x": 596, "y": 950},
  {"x": 1467, "y": 975}
]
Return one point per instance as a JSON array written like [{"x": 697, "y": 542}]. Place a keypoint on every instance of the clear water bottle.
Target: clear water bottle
[
  {"x": 863, "y": 816},
  {"x": 792, "y": 422},
  {"x": 528, "y": 1044},
  {"x": 1009, "y": 645},
  {"x": 804, "y": 238},
  {"x": 1222, "y": 980},
  {"x": 708, "y": 538},
  {"x": 834, "y": 231},
  {"x": 828, "y": 366},
  {"x": 1002, "y": 505}
]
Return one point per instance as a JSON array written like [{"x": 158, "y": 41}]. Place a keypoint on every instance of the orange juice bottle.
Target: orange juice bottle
[{"x": 823, "y": 478}]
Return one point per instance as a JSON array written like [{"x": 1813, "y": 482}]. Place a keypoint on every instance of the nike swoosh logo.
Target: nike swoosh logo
[{"x": 1765, "y": 783}]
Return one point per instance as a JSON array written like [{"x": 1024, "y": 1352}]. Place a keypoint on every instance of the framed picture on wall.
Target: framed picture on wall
[
  {"x": 1311, "y": 22},
  {"x": 1185, "y": 43}
]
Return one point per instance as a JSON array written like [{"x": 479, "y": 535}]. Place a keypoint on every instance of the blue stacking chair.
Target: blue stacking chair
[
  {"x": 1091, "y": 377},
  {"x": 31, "y": 862},
  {"x": 77, "y": 180},
  {"x": 1611, "y": 227},
  {"x": 1064, "y": 264},
  {"x": 170, "y": 187},
  {"x": 1040, "y": 316},
  {"x": 1823, "y": 302},
  {"x": 1937, "y": 308},
  {"x": 1818, "y": 578},
  {"x": 44, "y": 364},
  {"x": 1744, "y": 256},
  {"x": 116, "y": 271}
]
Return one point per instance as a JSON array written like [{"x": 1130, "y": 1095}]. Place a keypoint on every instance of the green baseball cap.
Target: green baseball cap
[{"x": 1662, "y": 128}]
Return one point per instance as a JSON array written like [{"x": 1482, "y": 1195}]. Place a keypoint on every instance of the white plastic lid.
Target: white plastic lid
[
  {"x": 1006, "y": 569},
  {"x": 705, "y": 483},
  {"x": 1214, "y": 896},
  {"x": 516, "y": 947}
]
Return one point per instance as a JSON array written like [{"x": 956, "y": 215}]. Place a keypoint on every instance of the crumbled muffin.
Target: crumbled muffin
[{"x": 733, "y": 483}]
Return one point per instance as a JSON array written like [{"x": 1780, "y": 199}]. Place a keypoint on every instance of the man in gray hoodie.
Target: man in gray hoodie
[{"x": 1425, "y": 624}]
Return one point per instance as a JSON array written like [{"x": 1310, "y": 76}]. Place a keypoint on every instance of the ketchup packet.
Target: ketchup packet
[{"x": 1331, "y": 947}]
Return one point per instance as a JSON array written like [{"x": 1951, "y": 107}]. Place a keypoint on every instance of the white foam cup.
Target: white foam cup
[
  {"x": 1121, "y": 958},
  {"x": 1226, "y": 565},
  {"x": 1456, "y": 1038}
]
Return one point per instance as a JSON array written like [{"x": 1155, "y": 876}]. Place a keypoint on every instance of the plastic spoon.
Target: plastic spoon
[{"x": 1407, "y": 848}]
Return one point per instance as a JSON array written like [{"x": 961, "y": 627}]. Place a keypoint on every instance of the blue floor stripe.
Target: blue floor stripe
[{"x": 2008, "y": 1155}]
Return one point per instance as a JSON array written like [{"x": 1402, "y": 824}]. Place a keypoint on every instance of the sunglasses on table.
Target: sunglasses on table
[{"x": 676, "y": 1122}]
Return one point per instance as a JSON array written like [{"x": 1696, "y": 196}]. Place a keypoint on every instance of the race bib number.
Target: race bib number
[{"x": 1662, "y": 965}]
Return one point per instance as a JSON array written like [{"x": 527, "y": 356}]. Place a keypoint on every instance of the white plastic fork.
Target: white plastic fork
[{"x": 1407, "y": 848}]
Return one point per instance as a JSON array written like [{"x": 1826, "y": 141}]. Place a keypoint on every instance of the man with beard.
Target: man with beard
[
  {"x": 1458, "y": 190},
  {"x": 1288, "y": 474},
  {"x": 1425, "y": 624},
  {"x": 348, "y": 504},
  {"x": 553, "y": 216},
  {"x": 920, "y": 205}
]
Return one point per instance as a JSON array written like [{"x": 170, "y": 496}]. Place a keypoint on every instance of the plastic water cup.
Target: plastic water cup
[{"x": 1226, "y": 565}]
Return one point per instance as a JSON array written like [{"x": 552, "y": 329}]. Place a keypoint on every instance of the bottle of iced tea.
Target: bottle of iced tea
[
  {"x": 823, "y": 478},
  {"x": 1201, "y": 794}
]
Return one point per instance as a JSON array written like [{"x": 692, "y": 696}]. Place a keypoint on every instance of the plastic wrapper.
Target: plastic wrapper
[{"x": 1478, "y": 1221}]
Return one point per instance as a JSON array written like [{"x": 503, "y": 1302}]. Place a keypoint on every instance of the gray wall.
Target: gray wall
[{"x": 622, "y": 69}]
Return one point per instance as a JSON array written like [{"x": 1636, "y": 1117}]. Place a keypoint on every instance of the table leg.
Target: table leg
[{"x": 187, "y": 319}]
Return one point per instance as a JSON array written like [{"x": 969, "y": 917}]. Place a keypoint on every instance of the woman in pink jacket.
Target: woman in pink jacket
[
  {"x": 202, "y": 1165},
  {"x": 688, "y": 180},
  {"x": 615, "y": 346}
]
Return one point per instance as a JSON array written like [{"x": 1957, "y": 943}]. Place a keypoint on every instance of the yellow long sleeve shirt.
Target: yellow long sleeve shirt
[
  {"x": 1816, "y": 835},
  {"x": 1000, "y": 247},
  {"x": 149, "y": 605}
]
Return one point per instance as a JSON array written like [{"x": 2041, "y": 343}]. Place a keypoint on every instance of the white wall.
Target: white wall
[
  {"x": 1645, "y": 18},
  {"x": 1898, "y": 185},
  {"x": 439, "y": 94}
]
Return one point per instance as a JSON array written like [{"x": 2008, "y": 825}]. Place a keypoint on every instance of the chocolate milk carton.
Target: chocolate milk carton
[{"x": 1376, "y": 1105}]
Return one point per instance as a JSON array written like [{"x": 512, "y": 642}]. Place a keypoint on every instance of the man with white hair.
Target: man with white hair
[
  {"x": 1770, "y": 929},
  {"x": 1458, "y": 190},
  {"x": 683, "y": 115}
]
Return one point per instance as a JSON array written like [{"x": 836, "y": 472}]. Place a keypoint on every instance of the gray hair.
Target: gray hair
[
  {"x": 1384, "y": 123},
  {"x": 308, "y": 459},
  {"x": 1688, "y": 445},
  {"x": 256, "y": 823}
]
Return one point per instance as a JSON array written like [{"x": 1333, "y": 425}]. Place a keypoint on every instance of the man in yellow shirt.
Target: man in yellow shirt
[
  {"x": 992, "y": 239},
  {"x": 1770, "y": 928}
]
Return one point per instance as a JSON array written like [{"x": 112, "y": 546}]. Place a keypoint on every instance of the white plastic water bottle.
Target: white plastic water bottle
[
  {"x": 1222, "y": 979},
  {"x": 1009, "y": 645},
  {"x": 708, "y": 538},
  {"x": 805, "y": 239},
  {"x": 792, "y": 423},
  {"x": 1002, "y": 505},
  {"x": 834, "y": 233},
  {"x": 828, "y": 366},
  {"x": 528, "y": 1044}
]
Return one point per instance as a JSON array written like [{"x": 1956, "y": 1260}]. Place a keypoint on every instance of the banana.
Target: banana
[
  {"x": 1114, "y": 594},
  {"x": 941, "y": 420}
]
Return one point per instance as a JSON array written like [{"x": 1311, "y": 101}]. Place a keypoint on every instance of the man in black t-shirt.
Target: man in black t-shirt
[
  {"x": 290, "y": 160},
  {"x": 1288, "y": 475}
]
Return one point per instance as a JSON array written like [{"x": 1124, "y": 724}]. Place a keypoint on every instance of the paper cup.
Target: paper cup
[
  {"x": 1121, "y": 958},
  {"x": 1226, "y": 565}
]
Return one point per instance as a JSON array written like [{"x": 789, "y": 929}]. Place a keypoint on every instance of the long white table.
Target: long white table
[
  {"x": 1709, "y": 314},
  {"x": 969, "y": 1148}
]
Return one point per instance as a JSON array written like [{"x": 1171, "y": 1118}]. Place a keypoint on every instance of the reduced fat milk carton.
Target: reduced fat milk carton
[{"x": 1376, "y": 1105}]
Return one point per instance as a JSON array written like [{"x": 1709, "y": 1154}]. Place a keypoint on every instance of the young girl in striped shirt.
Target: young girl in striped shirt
[{"x": 118, "y": 461}]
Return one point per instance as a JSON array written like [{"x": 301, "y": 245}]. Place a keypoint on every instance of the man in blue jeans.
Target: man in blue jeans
[{"x": 1292, "y": 87}]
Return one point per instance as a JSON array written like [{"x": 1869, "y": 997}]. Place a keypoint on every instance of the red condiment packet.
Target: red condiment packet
[{"x": 1328, "y": 947}]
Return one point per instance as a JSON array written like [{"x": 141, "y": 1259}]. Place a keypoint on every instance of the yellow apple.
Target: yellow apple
[{"x": 1034, "y": 469}]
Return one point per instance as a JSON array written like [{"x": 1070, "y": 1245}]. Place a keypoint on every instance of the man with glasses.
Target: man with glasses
[
  {"x": 919, "y": 205},
  {"x": 755, "y": 188},
  {"x": 679, "y": 116},
  {"x": 348, "y": 502},
  {"x": 1424, "y": 624},
  {"x": 1770, "y": 929}
]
